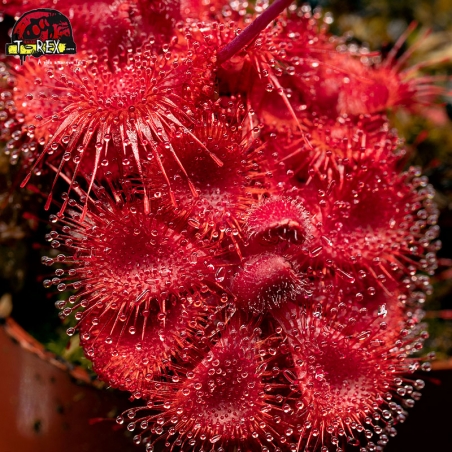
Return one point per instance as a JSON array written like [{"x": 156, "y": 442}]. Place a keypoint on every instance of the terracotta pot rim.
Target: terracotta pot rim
[{"x": 32, "y": 345}]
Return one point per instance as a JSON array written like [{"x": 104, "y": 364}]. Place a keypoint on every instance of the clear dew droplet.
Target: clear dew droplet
[
  {"x": 346, "y": 276},
  {"x": 194, "y": 223},
  {"x": 215, "y": 439},
  {"x": 220, "y": 275},
  {"x": 120, "y": 420},
  {"x": 314, "y": 252}
]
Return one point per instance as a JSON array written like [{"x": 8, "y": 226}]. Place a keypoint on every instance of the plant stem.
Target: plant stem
[{"x": 252, "y": 30}]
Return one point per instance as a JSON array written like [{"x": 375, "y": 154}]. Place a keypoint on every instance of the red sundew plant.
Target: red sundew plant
[
  {"x": 232, "y": 399},
  {"x": 240, "y": 247},
  {"x": 395, "y": 85},
  {"x": 264, "y": 282},
  {"x": 221, "y": 142},
  {"x": 95, "y": 117},
  {"x": 346, "y": 376},
  {"x": 370, "y": 246},
  {"x": 344, "y": 139},
  {"x": 278, "y": 218}
]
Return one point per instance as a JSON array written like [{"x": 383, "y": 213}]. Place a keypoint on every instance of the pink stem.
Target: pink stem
[{"x": 252, "y": 30}]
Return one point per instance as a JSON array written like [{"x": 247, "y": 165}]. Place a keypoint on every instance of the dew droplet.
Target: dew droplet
[
  {"x": 215, "y": 439},
  {"x": 346, "y": 276}
]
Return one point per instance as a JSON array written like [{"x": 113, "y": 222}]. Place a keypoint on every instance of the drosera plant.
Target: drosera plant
[
  {"x": 95, "y": 117},
  {"x": 231, "y": 399},
  {"x": 240, "y": 253}
]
